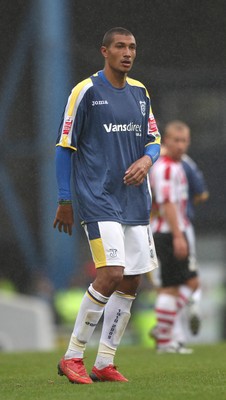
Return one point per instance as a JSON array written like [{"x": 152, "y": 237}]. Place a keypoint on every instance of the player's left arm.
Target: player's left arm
[
  {"x": 137, "y": 172},
  {"x": 196, "y": 181},
  {"x": 200, "y": 198}
]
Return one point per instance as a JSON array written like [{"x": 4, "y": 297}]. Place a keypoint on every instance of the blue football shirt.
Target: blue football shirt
[{"x": 108, "y": 128}]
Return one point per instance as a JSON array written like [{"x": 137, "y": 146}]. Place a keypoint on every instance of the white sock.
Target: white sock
[
  {"x": 185, "y": 293},
  {"x": 196, "y": 296},
  {"x": 89, "y": 314},
  {"x": 166, "y": 310},
  {"x": 178, "y": 331},
  {"x": 116, "y": 318},
  {"x": 194, "y": 303}
]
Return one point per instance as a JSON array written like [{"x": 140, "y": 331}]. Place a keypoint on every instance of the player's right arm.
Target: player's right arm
[
  {"x": 64, "y": 215},
  {"x": 164, "y": 184},
  {"x": 66, "y": 144}
]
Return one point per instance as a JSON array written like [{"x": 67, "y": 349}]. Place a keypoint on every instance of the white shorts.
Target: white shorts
[{"x": 129, "y": 246}]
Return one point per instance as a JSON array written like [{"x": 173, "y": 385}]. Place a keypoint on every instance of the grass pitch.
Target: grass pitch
[{"x": 201, "y": 376}]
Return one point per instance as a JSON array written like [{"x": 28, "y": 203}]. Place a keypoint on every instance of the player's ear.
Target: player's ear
[{"x": 103, "y": 50}]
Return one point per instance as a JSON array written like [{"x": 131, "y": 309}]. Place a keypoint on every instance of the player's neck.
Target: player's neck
[
  {"x": 116, "y": 78},
  {"x": 172, "y": 157}
]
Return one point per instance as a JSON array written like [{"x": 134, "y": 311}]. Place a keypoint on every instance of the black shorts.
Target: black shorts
[{"x": 174, "y": 272}]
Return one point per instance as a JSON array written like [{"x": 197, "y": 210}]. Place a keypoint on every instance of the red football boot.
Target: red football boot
[
  {"x": 107, "y": 374},
  {"x": 74, "y": 370}
]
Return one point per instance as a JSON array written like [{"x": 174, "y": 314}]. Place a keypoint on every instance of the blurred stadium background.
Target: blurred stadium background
[{"x": 47, "y": 46}]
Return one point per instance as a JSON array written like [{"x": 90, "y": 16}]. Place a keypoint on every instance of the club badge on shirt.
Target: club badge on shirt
[{"x": 143, "y": 108}]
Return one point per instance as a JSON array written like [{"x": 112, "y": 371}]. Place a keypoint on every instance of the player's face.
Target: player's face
[
  {"x": 177, "y": 143},
  {"x": 120, "y": 55}
]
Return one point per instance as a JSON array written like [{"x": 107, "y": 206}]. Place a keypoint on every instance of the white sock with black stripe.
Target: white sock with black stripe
[
  {"x": 89, "y": 314},
  {"x": 116, "y": 318}
]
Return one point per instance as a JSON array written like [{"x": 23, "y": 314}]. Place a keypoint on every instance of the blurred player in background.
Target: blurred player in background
[
  {"x": 109, "y": 126},
  {"x": 174, "y": 237}
]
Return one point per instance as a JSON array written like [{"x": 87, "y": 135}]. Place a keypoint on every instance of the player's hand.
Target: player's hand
[
  {"x": 64, "y": 218},
  {"x": 137, "y": 172},
  {"x": 180, "y": 247}
]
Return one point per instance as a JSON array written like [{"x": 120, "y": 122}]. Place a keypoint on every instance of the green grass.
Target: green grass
[{"x": 201, "y": 376}]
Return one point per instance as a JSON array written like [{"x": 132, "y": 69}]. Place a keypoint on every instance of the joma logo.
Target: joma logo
[{"x": 99, "y": 102}]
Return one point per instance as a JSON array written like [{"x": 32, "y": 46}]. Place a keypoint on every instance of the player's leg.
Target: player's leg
[
  {"x": 165, "y": 310},
  {"x": 101, "y": 237},
  {"x": 189, "y": 294},
  {"x": 194, "y": 313},
  {"x": 117, "y": 311},
  {"x": 166, "y": 300},
  {"x": 191, "y": 284},
  {"x": 166, "y": 306},
  {"x": 179, "y": 331},
  {"x": 116, "y": 318}
]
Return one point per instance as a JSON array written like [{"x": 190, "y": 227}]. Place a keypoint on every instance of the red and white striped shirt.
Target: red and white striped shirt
[{"x": 169, "y": 184}]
